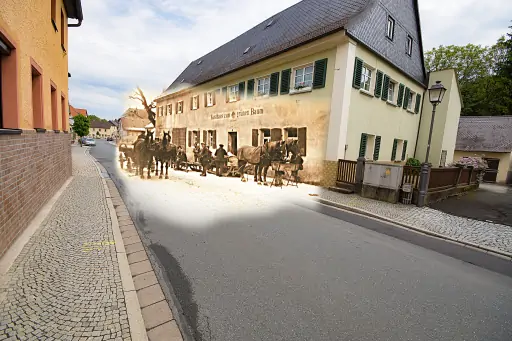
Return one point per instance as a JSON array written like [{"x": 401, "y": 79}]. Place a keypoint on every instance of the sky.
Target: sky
[{"x": 123, "y": 44}]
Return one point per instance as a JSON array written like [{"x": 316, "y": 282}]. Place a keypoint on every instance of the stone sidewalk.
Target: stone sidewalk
[
  {"x": 487, "y": 236},
  {"x": 66, "y": 282}
]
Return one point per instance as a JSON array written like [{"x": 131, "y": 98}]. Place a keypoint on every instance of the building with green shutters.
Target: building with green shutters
[{"x": 344, "y": 77}]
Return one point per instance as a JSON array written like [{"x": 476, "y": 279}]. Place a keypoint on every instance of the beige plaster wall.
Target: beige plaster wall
[
  {"x": 309, "y": 109},
  {"x": 374, "y": 116},
  {"x": 446, "y": 121},
  {"x": 29, "y": 24}
]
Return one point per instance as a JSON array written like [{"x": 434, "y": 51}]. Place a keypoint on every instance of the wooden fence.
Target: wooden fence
[
  {"x": 346, "y": 171},
  {"x": 411, "y": 175},
  {"x": 444, "y": 178}
]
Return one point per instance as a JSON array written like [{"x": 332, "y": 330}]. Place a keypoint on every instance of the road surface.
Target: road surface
[{"x": 247, "y": 262}]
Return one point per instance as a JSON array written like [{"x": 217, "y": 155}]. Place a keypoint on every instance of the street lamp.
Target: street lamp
[{"x": 435, "y": 94}]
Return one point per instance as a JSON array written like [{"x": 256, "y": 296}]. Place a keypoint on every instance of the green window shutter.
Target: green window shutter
[
  {"x": 385, "y": 88},
  {"x": 358, "y": 71},
  {"x": 285, "y": 81},
  {"x": 406, "y": 97},
  {"x": 404, "y": 150},
  {"x": 274, "y": 84},
  {"x": 320, "y": 74},
  {"x": 418, "y": 103},
  {"x": 362, "y": 145},
  {"x": 376, "y": 150},
  {"x": 393, "y": 152},
  {"x": 241, "y": 90},
  {"x": 250, "y": 88},
  {"x": 378, "y": 84},
  {"x": 400, "y": 99}
]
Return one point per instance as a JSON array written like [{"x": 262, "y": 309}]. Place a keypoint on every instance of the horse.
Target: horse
[
  {"x": 166, "y": 153},
  {"x": 291, "y": 147},
  {"x": 261, "y": 158},
  {"x": 143, "y": 155}
]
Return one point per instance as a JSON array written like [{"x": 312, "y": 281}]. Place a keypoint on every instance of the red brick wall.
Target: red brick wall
[{"x": 33, "y": 166}]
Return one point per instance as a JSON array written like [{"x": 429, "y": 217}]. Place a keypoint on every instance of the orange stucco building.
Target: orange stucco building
[{"x": 35, "y": 152}]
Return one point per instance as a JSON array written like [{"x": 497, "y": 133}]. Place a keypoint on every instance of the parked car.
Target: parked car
[
  {"x": 109, "y": 138},
  {"x": 89, "y": 142}
]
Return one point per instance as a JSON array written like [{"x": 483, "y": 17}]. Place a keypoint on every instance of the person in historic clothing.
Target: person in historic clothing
[
  {"x": 300, "y": 161},
  {"x": 204, "y": 158},
  {"x": 181, "y": 157},
  {"x": 220, "y": 160},
  {"x": 197, "y": 151}
]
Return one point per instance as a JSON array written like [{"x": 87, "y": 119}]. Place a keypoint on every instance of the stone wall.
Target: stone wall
[{"x": 33, "y": 166}]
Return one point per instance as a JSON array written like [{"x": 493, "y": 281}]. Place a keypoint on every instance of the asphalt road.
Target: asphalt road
[{"x": 301, "y": 273}]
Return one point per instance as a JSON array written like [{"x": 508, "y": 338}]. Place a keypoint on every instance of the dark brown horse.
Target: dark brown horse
[
  {"x": 165, "y": 153},
  {"x": 291, "y": 147},
  {"x": 143, "y": 154},
  {"x": 261, "y": 158}
]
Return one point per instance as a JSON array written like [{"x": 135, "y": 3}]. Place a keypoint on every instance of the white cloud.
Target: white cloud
[{"x": 122, "y": 44}]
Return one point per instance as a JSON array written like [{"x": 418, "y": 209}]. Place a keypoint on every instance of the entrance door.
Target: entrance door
[
  {"x": 232, "y": 142},
  {"x": 491, "y": 173}
]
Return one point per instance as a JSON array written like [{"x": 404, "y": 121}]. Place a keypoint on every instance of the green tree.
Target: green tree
[
  {"x": 471, "y": 61},
  {"x": 81, "y": 125},
  {"x": 96, "y": 118},
  {"x": 483, "y": 73}
]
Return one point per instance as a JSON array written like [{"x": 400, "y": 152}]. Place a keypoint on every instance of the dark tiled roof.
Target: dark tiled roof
[
  {"x": 485, "y": 134},
  {"x": 100, "y": 124},
  {"x": 301, "y": 23},
  {"x": 365, "y": 21},
  {"x": 370, "y": 29}
]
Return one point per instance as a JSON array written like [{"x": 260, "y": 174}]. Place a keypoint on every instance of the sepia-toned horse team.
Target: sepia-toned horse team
[{"x": 149, "y": 153}]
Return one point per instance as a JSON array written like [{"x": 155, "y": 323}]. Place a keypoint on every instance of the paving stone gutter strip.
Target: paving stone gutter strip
[
  {"x": 495, "y": 252},
  {"x": 151, "y": 317}
]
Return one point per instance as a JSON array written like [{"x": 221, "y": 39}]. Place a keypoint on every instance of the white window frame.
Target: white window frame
[
  {"x": 195, "y": 102},
  {"x": 411, "y": 99},
  {"x": 210, "y": 138},
  {"x": 409, "y": 45},
  {"x": 179, "y": 107},
  {"x": 370, "y": 146},
  {"x": 265, "y": 86},
  {"x": 233, "y": 93},
  {"x": 303, "y": 82},
  {"x": 366, "y": 78},
  {"x": 265, "y": 138},
  {"x": 392, "y": 90},
  {"x": 390, "y": 28},
  {"x": 399, "y": 150},
  {"x": 209, "y": 98}
]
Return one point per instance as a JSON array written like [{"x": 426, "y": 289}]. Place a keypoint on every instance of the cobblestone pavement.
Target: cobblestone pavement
[
  {"x": 489, "y": 235},
  {"x": 65, "y": 284}
]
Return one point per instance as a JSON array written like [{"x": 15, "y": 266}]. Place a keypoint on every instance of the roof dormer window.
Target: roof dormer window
[{"x": 390, "y": 32}]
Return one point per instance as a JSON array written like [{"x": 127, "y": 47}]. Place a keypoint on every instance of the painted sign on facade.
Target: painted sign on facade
[{"x": 235, "y": 114}]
